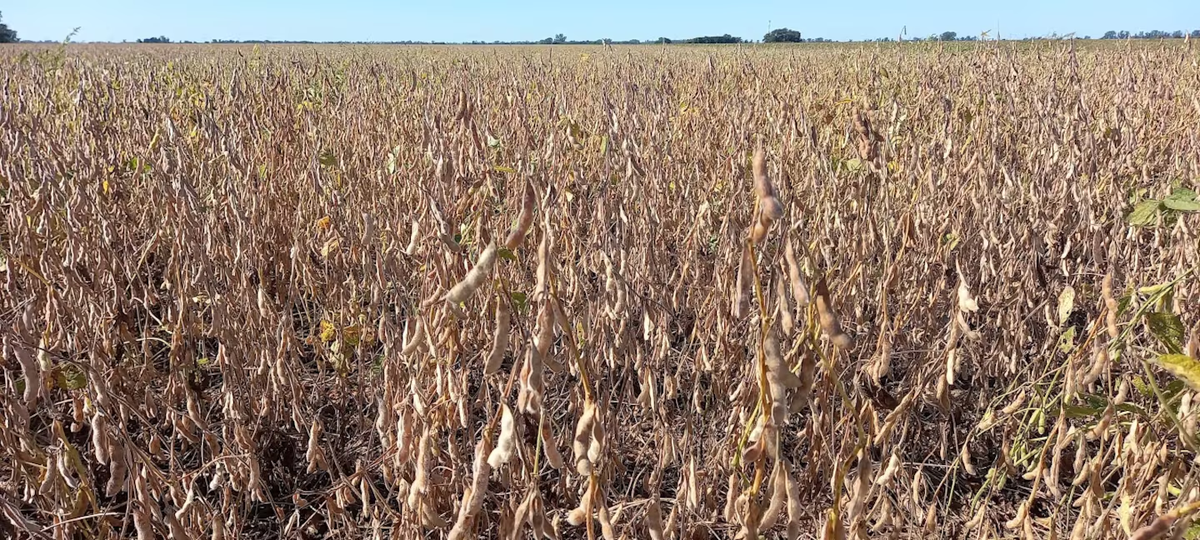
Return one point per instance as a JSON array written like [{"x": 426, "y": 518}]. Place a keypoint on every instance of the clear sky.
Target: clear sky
[{"x": 488, "y": 20}]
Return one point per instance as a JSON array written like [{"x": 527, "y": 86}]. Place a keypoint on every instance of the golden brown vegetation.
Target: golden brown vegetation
[{"x": 649, "y": 292}]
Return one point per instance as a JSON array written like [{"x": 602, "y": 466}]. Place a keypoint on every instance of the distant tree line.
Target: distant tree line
[
  {"x": 779, "y": 35},
  {"x": 7, "y": 35},
  {"x": 1153, "y": 34}
]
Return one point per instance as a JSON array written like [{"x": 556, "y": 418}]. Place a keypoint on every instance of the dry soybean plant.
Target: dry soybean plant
[{"x": 891, "y": 291}]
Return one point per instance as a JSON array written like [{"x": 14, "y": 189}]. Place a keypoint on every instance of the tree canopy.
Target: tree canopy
[
  {"x": 1153, "y": 34},
  {"x": 782, "y": 35},
  {"x": 716, "y": 39},
  {"x": 7, "y": 35}
]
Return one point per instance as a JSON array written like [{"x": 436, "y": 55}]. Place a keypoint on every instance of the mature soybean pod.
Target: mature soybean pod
[
  {"x": 517, "y": 235},
  {"x": 475, "y": 277}
]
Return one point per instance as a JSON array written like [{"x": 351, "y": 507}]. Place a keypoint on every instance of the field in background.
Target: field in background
[{"x": 394, "y": 292}]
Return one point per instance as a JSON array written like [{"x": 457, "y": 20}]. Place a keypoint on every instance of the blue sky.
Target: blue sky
[{"x": 467, "y": 20}]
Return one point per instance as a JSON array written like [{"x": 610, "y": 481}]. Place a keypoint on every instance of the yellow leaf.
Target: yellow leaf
[
  {"x": 330, "y": 247},
  {"x": 323, "y": 223},
  {"x": 1184, "y": 367},
  {"x": 328, "y": 331},
  {"x": 1125, "y": 512},
  {"x": 1066, "y": 304},
  {"x": 504, "y": 169}
]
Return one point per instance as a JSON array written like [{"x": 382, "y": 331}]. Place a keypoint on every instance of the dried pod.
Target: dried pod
[
  {"x": 654, "y": 524},
  {"x": 549, "y": 446},
  {"x": 779, "y": 482},
  {"x": 799, "y": 287},
  {"x": 808, "y": 375},
  {"x": 731, "y": 497},
  {"x": 779, "y": 377},
  {"x": 890, "y": 471},
  {"x": 1110, "y": 306},
  {"x": 524, "y": 220},
  {"x": 414, "y": 239},
  {"x": 596, "y": 443},
  {"x": 142, "y": 521},
  {"x": 472, "y": 500},
  {"x": 475, "y": 277},
  {"x": 582, "y": 512},
  {"x": 828, "y": 318},
  {"x": 759, "y": 231},
  {"x": 762, "y": 184},
  {"x": 743, "y": 285},
  {"x": 794, "y": 508},
  {"x": 100, "y": 438},
  {"x": 500, "y": 341},
  {"x": 545, "y": 334},
  {"x": 419, "y": 487},
  {"x": 1156, "y": 528},
  {"x": 583, "y": 436},
  {"x": 784, "y": 308},
  {"x": 506, "y": 443},
  {"x": 772, "y": 210},
  {"x": 314, "y": 454}
]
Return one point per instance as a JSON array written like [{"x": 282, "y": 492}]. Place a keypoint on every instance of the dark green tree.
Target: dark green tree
[
  {"x": 560, "y": 38},
  {"x": 7, "y": 35},
  {"x": 1111, "y": 34},
  {"x": 726, "y": 38},
  {"x": 949, "y": 36},
  {"x": 782, "y": 35}
]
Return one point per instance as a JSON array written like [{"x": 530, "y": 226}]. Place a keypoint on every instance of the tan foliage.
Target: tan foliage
[{"x": 890, "y": 290}]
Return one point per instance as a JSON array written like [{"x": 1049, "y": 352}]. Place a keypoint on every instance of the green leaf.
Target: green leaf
[
  {"x": 950, "y": 240},
  {"x": 1144, "y": 213},
  {"x": 521, "y": 300},
  {"x": 492, "y": 142},
  {"x": 1182, "y": 206},
  {"x": 1081, "y": 411},
  {"x": 1066, "y": 304},
  {"x": 1182, "y": 200},
  {"x": 1183, "y": 194},
  {"x": 1153, "y": 289},
  {"x": 1193, "y": 532},
  {"x": 506, "y": 253},
  {"x": 391, "y": 163},
  {"x": 504, "y": 169},
  {"x": 1168, "y": 329},
  {"x": 1143, "y": 387},
  {"x": 1171, "y": 390},
  {"x": 1123, "y": 304},
  {"x": 327, "y": 158},
  {"x": 1184, "y": 367}
]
